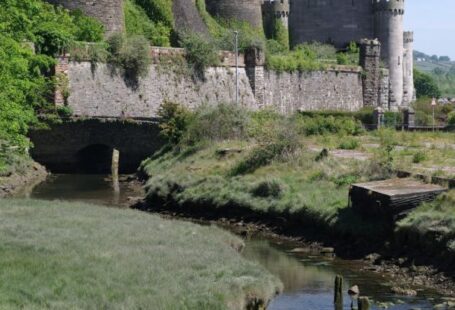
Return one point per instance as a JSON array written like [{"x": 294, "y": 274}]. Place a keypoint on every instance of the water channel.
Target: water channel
[{"x": 308, "y": 279}]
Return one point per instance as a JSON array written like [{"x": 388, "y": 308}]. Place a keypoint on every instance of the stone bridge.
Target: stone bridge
[{"x": 85, "y": 146}]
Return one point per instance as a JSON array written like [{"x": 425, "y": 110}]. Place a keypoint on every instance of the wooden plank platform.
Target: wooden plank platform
[{"x": 391, "y": 197}]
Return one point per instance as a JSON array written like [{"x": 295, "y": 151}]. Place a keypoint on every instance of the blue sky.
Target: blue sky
[{"x": 433, "y": 23}]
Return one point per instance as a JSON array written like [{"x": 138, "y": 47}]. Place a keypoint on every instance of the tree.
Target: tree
[
  {"x": 444, "y": 58},
  {"x": 425, "y": 85}
]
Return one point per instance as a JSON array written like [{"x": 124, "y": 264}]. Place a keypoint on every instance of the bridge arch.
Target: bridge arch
[{"x": 94, "y": 158}]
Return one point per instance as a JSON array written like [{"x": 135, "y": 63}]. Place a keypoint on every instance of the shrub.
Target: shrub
[
  {"x": 268, "y": 188},
  {"x": 320, "y": 125},
  {"x": 451, "y": 118},
  {"x": 284, "y": 144},
  {"x": 384, "y": 156},
  {"x": 349, "y": 143},
  {"x": 93, "y": 52},
  {"x": 264, "y": 124},
  {"x": 217, "y": 122},
  {"x": 425, "y": 85},
  {"x": 393, "y": 119},
  {"x": 200, "y": 53},
  {"x": 303, "y": 58},
  {"x": 173, "y": 121},
  {"x": 88, "y": 29},
  {"x": 158, "y": 10},
  {"x": 419, "y": 157},
  {"x": 342, "y": 59},
  {"x": 130, "y": 54},
  {"x": 137, "y": 22}
]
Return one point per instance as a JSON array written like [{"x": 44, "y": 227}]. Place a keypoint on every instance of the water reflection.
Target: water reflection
[
  {"x": 309, "y": 280},
  {"x": 96, "y": 189}
]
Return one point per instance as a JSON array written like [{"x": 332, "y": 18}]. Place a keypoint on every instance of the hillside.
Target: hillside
[{"x": 441, "y": 68}]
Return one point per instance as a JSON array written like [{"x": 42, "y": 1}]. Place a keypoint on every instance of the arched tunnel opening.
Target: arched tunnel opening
[{"x": 94, "y": 159}]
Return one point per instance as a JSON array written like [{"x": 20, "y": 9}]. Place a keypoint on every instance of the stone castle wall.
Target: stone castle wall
[
  {"x": 331, "y": 21},
  {"x": 312, "y": 91},
  {"x": 100, "y": 93},
  {"x": 97, "y": 91},
  {"x": 109, "y": 12}
]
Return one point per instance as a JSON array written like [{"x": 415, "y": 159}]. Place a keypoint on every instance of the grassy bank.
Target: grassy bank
[
  {"x": 292, "y": 172},
  {"x": 431, "y": 229},
  {"x": 74, "y": 256}
]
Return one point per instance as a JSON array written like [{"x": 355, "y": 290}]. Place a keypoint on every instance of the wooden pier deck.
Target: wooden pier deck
[{"x": 391, "y": 197}]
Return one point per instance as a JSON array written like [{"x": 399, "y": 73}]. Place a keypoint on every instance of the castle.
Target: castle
[{"x": 337, "y": 22}]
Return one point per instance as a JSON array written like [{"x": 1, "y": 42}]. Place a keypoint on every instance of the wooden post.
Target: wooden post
[
  {"x": 338, "y": 299},
  {"x": 363, "y": 303},
  {"x": 114, "y": 169}
]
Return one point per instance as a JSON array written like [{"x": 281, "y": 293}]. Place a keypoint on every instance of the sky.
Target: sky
[{"x": 433, "y": 23}]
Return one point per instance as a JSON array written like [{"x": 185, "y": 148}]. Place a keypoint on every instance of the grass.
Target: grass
[
  {"x": 276, "y": 170},
  {"x": 58, "y": 255},
  {"x": 437, "y": 217},
  {"x": 299, "y": 187},
  {"x": 432, "y": 227}
]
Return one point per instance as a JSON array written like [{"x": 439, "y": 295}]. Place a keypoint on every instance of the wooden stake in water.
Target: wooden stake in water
[
  {"x": 338, "y": 299},
  {"x": 363, "y": 303},
  {"x": 114, "y": 169}
]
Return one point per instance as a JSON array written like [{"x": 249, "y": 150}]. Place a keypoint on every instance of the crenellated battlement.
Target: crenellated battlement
[
  {"x": 280, "y": 8},
  {"x": 393, "y": 6},
  {"x": 408, "y": 37}
]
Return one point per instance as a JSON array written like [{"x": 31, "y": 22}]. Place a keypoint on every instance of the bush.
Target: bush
[
  {"x": 88, "y": 29},
  {"x": 419, "y": 157},
  {"x": 137, "y": 22},
  {"x": 451, "y": 118},
  {"x": 218, "y": 122},
  {"x": 302, "y": 58},
  {"x": 268, "y": 188},
  {"x": 349, "y": 144},
  {"x": 425, "y": 85},
  {"x": 320, "y": 125},
  {"x": 130, "y": 54},
  {"x": 284, "y": 144},
  {"x": 342, "y": 59},
  {"x": 173, "y": 121},
  {"x": 393, "y": 119},
  {"x": 264, "y": 124},
  {"x": 200, "y": 53}
]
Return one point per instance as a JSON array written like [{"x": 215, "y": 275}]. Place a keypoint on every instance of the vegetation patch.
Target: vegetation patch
[
  {"x": 71, "y": 255},
  {"x": 142, "y": 18},
  {"x": 33, "y": 32}
]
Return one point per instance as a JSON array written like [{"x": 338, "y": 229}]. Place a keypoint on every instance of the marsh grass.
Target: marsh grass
[
  {"x": 57, "y": 255},
  {"x": 299, "y": 187}
]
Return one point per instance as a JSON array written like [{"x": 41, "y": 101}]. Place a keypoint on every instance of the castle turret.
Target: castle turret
[
  {"x": 280, "y": 11},
  {"x": 242, "y": 10},
  {"x": 408, "y": 66},
  {"x": 109, "y": 12},
  {"x": 389, "y": 31}
]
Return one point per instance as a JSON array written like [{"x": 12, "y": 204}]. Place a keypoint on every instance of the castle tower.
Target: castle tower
[
  {"x": 389, "y": 31},
  {"x": 242, "y": 10},
  {"x": 370, "y": 51},
  {"x": 336, "y": 22},
  {"x": 109, "y": 12},
  {"x": 408, "y": 66},
  {"x": 280, "y": 10}
]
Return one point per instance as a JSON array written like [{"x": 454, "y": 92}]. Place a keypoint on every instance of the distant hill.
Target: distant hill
[{"x": 442, "y": 68}]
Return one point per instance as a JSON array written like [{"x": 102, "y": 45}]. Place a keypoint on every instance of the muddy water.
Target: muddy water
[{"x": 308, "y": 278}]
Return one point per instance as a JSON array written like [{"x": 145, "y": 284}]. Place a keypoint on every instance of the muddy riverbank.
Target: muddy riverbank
[
  {"x": 16, "y": 183},
  {"x": 406, "y": 275}
]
